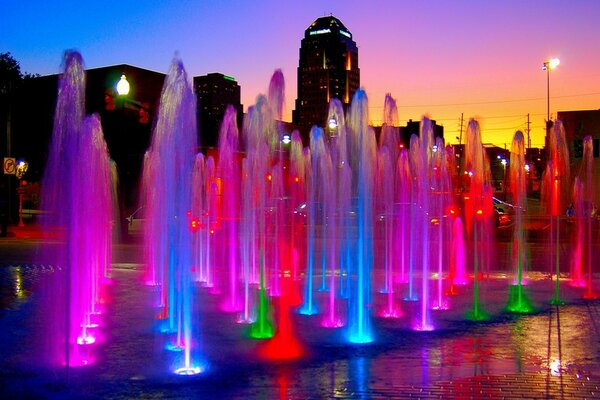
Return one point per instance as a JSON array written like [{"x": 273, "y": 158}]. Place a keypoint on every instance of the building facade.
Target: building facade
[
  {"x": 328, "y": 68},
  {"x": 578, "y": 125}
]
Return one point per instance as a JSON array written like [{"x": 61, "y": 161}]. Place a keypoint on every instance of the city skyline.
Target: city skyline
[{"x": 436, "y": 58}]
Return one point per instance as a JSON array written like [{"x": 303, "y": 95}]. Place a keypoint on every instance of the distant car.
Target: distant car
[
  {"x": 502, "y": 211},
  {"x": 135, "y": 222}
]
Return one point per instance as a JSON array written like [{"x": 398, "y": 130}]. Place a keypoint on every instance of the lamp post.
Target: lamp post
[
  {"x": 554, "y": 225},
  {"x": 122, "y": 91},
  {"x": 22, "y": 167},
  {"x": 547, "y": 66},
  {"x": 504, "y": 162}
]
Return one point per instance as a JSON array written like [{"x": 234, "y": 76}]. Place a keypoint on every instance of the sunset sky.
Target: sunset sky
[{"x": 437, "y": 58}]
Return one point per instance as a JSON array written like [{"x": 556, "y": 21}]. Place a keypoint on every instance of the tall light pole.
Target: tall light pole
[
  {"x": 554, "y": 225},
  {"x": 547, "y": 66}
]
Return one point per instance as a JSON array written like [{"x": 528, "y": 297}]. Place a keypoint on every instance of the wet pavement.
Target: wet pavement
[{"x": 551, "y": 353}]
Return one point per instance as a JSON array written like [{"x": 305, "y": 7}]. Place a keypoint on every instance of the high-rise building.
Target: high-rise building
[
  {"x": 328, "y": 69},
  {"x": 215, "y": 92}
]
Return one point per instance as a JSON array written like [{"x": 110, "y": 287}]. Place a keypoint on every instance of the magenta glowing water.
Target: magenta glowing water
[
  {"x": 441, "y": 198},
  {"x": 577, "y": 255},
  {"x": 229, "y": 184},
  {"x": 78, "y": 199},
  {"x": 587, "y": 167},
  {"x": 385, "y": 184},
  {"x": 421, "y": 151},
  {"x": 169, "y": 204},
  {"x": 582, "y": 200},
  {"x": 556, "y": 192},
  {"x": 388, "y": 151},
  {"x": 403, "y": 194},
  {"x": 458, "y": 273}
]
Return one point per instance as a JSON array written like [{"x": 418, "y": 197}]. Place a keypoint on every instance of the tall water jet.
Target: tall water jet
[
  {"x": 320, "y": 165},
  {"x": 458, "y": 273},
  {"x": 579, "y": 238},
  {"x": 197, "y": 219},
  {"x": 519, "y": 300},
  {"x": 414, "y": 214},
  {"x": 385, "y": 210},
  {"x": 385, "y": 181},
  {"x": 422, "y": 154},
  {"x": 247, "y": 315},
  {"x": 475, "y": 208},
  {"x": 586, "y": 173},
  {"x": 359, "y": 314},
  {"x": 404, "y": 185},
  {"x": 556, "y": 192},
  {"x": 260, "y": 132},
  {"x": 441, "y": 203},
  {"x": 173, "y": 148},
  {"x": 297, "y": 199},
  {"x": 341, "y": 170},
  {"x": 229, "y": 180},
  {"x": 77, "y": 197}
]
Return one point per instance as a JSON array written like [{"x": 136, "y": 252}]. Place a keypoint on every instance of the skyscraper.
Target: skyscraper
[
  {"x": 328, "y": 69},
  {"x": 215, "y": 92}
]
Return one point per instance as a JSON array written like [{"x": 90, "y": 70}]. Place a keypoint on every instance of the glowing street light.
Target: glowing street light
[
  {"x": 22, "y": 167},
  {"x": 123, "y": 86},
  {"x": 286, "y": 139},
  {"x": 547, "y": 66}
]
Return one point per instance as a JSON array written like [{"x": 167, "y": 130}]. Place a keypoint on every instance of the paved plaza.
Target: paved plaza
[{"x": 551, "y": 353}]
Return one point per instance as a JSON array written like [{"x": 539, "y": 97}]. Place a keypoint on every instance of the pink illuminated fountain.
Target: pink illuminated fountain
[
  {"x": 585, "y": 214},
  {"x": 77, "y": 197},
  {"x": 556, "y": 193}
]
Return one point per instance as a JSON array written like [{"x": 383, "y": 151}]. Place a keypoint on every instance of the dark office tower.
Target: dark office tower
[
  {"x": 214, "y": 93},
  {"x": 328, "y": 68}
]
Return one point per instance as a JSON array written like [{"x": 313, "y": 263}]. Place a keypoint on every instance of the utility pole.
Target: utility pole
[
  {"x": 529, "y": 159},
  {"x": 460, "y": 148},
  {"x": 528, "y": 133},
  {"x": 461, "y": 129}
]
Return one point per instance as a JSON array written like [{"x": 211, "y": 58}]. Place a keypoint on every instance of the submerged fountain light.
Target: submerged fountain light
[
  {"x": 332, "y": 123},
  {"x": 85, "y": 340},
  {"x": 189, "y": 371}
]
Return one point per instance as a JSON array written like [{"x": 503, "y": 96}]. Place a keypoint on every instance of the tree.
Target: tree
[{"x": 10, "y": 75}]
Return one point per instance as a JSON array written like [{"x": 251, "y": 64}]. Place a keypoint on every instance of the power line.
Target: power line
[{"x": 496, "y": 101}]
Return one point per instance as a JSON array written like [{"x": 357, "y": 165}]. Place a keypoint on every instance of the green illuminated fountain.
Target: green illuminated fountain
[{"x": 519, "y": 301}]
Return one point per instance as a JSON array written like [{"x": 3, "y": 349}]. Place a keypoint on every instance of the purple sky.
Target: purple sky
[{"x": 440, "y": 58}]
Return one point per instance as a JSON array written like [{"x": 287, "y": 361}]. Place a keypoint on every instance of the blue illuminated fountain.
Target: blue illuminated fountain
[{"x": 168, "y": 203}]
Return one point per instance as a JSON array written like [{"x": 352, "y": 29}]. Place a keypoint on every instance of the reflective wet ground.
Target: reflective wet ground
[{"x": 553, "y": 353}]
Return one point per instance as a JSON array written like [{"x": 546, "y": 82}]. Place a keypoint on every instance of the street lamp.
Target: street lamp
[
  {"x": 123, "y": 86},
  {"x": 504, "y": 162},
  {"x": 22, "y": 167},
  {"x": 547, "y": 66}
]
